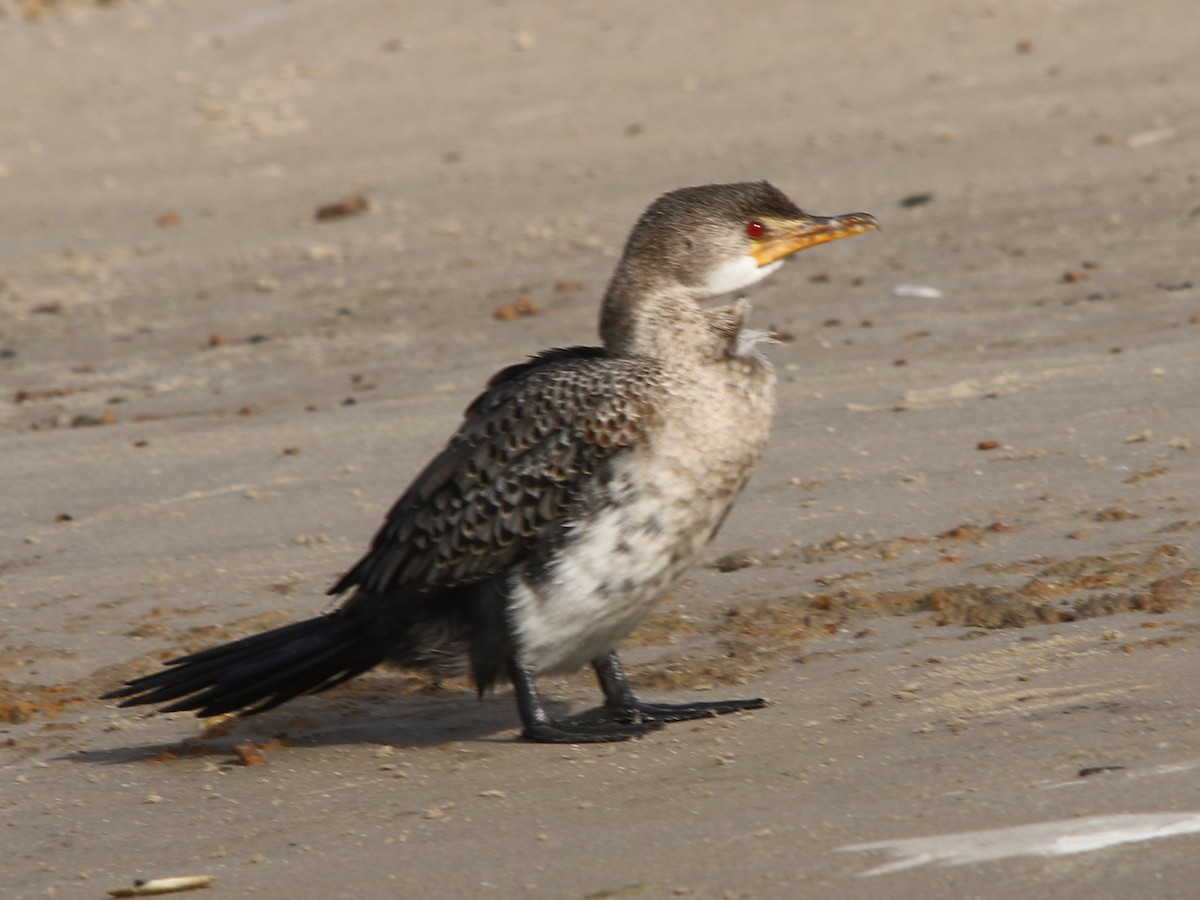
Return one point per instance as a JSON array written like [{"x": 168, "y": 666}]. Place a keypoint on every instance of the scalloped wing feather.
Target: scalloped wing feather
[{"x": 516, "y": 469}]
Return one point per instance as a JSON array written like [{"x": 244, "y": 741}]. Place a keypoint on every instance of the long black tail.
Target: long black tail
[{"x": 260, "y": 672}]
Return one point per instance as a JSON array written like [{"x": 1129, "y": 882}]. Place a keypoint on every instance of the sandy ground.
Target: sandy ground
[{"x": 965, "y": 576}]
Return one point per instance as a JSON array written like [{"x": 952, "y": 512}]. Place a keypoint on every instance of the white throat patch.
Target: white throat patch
[{"x": 738, "y": 275}]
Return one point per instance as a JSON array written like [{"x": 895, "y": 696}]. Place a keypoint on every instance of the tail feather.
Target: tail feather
[
  {"x": 257, "y": 688},
  {"x": 259, "y": 672}
]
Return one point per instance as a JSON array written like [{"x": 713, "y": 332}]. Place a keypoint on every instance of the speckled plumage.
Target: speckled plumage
[
  {"x": 578, "y": 488},
  {"x": 527, "y": 448}
]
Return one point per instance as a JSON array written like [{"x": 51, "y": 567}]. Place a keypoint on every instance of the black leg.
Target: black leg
[
  {"x": 622, "y": 706},
  {"x": 541, "y": 728},
  {"x": 611, "y": 674}
]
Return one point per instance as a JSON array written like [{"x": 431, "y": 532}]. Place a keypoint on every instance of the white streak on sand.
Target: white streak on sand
[{"x": 1043, "y": 839}]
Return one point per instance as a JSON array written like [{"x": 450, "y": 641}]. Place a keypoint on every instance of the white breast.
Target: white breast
[
  {"x": 664, "y": 504},
  {"x": 618, "y": 565}
]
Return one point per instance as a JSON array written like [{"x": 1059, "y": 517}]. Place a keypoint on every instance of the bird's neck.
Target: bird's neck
[{"x": 666, "y": 323}]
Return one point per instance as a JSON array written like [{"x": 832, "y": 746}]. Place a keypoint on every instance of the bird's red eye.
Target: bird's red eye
[{"x": 756, "y": 229}]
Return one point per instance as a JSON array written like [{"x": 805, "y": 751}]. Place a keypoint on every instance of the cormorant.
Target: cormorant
[{"x": 578, "y": 488}]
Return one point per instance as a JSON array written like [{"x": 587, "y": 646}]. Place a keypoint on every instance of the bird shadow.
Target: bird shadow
[{"x": 375, "y": 716}]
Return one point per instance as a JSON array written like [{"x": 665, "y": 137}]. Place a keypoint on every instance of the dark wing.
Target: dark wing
[{"x": 525, "y": 453}]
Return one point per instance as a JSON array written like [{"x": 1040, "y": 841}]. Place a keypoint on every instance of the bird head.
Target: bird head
[{"x": 720, "y": 238}]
